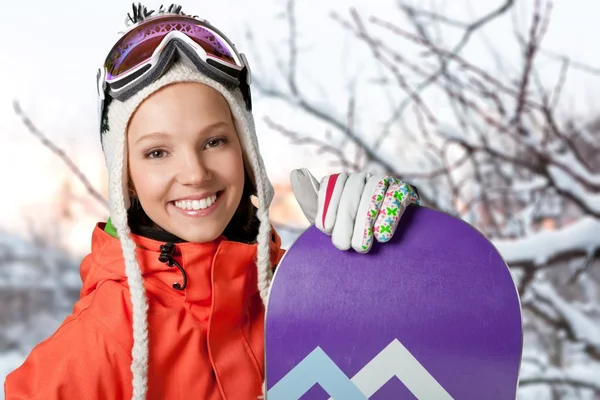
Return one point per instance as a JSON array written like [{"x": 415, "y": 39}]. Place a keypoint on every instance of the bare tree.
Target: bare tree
[{"x": 509, "y": 162}]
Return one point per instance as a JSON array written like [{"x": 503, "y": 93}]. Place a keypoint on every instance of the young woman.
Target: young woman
[{"x": 172, "y": 303}]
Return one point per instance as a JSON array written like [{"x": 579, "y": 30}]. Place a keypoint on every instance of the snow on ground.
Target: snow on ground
[{"x": 38, "y": 287}]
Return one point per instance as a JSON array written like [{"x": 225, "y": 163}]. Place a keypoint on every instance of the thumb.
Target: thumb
[{"x": 306, "y": 190}]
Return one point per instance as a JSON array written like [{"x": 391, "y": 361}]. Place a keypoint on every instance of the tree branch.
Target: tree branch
[{"x": 60, "y": 153}]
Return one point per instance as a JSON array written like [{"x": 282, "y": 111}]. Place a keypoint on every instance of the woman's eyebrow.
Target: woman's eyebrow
[
  {"x": 154, "y": 135},
  {"x": 164, "y": 135},
  {"x": 214, "y": 126}
]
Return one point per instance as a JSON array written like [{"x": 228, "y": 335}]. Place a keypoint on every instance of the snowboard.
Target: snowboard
[{"x": 433, "y": 314}]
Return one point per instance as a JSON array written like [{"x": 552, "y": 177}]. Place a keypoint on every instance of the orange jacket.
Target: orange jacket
[{"x": 205, "y": 342}]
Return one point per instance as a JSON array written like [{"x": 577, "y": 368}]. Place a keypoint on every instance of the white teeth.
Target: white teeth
[{"x": 196, "y": 204}]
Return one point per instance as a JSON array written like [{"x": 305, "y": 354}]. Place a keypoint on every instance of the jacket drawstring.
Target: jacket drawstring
[{"x": 166, "y": 253}]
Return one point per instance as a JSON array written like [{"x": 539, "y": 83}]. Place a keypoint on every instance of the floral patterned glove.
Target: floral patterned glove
[{"x": 353, "y": 208}]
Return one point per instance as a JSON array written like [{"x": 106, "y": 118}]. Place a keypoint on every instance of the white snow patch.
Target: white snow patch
[{"x": 540, "y": 247}]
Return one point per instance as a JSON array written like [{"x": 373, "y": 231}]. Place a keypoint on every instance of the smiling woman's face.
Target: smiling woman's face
[{"x": 185, "y": 161}]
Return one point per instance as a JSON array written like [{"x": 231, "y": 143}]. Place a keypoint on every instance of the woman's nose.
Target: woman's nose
[{"x": 194, "y": 171}]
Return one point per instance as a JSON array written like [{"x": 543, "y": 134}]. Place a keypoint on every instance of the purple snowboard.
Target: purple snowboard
[{"x": 432, "y": 315}]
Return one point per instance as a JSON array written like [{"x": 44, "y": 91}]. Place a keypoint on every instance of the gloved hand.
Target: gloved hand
[{"x": 353, "y": 208}]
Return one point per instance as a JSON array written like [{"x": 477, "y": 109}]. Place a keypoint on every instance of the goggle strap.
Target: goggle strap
[{"x": 245, "y": 87}]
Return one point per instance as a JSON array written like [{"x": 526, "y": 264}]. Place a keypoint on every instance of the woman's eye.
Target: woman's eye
[
  {"x": 215, "y": 142},
  {"x": 156, "y": 154}
]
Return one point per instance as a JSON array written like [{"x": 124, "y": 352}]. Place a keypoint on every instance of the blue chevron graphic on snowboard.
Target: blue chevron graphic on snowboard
[{"x": 317, "y": 367}]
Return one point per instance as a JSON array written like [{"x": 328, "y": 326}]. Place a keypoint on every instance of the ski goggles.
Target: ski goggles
[{"x": 147, "y": 49}]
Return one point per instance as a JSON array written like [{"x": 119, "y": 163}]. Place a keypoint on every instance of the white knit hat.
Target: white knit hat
[{"x": 114, "y": 143}]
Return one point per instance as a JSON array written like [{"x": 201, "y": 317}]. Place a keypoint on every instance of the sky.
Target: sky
[{"x": 51, "y": 52}]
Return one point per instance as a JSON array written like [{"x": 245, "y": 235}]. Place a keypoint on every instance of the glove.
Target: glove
[{"x": 353, "y": 208}]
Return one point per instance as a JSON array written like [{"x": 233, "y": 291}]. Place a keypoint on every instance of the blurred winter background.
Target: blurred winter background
[{"x": 488, "y": 106}]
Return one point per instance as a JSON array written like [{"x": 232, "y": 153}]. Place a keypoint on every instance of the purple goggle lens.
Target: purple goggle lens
[{"x": 137, "y": 46}]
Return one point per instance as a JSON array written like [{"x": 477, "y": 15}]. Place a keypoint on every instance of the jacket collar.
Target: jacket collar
[{"x": 196, "y": 259}]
